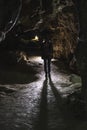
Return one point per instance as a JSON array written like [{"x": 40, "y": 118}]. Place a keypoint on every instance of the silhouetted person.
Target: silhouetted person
[{"x": 47, "y": 55}]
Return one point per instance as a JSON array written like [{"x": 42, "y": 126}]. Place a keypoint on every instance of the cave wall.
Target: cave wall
[
  {"x": 81, "y": 51},
  {"x": 57, "y": 16},
  {"x": 30, "y": 13}
]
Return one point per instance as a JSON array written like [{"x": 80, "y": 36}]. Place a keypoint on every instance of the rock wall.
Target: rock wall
[
  {"x": 59, "y": 17},
  {"x": 81, "y": 51}
]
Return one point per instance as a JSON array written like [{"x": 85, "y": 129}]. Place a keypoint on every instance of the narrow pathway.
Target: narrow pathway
[{"x": 40, "y": 104}]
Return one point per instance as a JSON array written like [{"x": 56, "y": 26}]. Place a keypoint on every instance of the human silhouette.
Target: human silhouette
[{"x": 47, "y": 55}]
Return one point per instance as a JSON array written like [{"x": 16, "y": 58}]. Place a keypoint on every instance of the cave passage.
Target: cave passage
[{"x": 30, "y": 101}]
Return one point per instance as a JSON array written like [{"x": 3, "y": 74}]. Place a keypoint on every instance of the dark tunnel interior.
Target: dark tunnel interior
[{"x": 43, "y": 64}]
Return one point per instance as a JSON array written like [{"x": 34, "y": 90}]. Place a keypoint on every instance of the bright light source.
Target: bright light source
[{"x": 36, "y": 38}]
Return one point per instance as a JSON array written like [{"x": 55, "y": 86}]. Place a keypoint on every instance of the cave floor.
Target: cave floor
[{"x": 28, "y": 101}]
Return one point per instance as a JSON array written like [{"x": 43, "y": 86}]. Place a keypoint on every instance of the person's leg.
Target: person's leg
[
  {"x": 49, "y": 66},
  {"x": 45, "y": 67}
]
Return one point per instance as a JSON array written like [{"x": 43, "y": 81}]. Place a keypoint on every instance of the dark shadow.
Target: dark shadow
[
  {"x": 43, "y": 115},
  {"x": 61, "y": 104},
  {"x": 62, "y": 66},
  {"x": 18, "y": 74},
  {"x": 57, "y": 95},
  {"x": 70, "y": 109}
]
